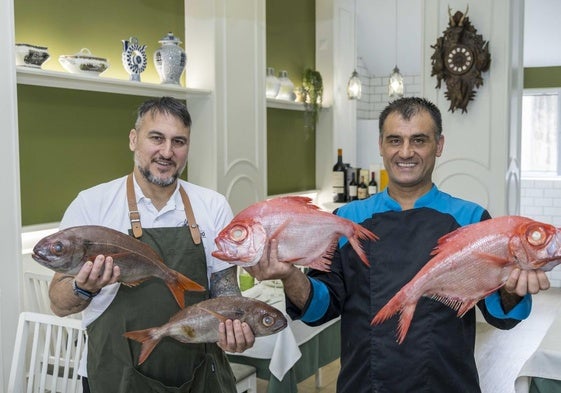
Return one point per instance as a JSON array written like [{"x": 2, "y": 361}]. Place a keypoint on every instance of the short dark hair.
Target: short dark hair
[
  {"x": 164, "y": 105},
  {"x": 408, "y": 107}
]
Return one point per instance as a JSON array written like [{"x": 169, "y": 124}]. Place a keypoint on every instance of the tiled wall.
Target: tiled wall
[
  {"x": 541, "y": 200},
  {"x": 375, "y": 91}
]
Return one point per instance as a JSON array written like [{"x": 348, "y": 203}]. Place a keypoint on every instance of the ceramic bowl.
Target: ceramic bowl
[
  {"x": 33, "y": 56},
  {"x": 84, "y": 62}
]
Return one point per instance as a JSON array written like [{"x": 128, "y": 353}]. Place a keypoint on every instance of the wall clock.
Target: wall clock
[{"x": 460, "y": 57}]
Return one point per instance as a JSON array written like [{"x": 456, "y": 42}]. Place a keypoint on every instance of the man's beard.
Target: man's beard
[{"x": 158, "y": 181}]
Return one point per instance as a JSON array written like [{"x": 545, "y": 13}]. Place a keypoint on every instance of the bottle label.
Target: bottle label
[
  {"x": 362, "y": 193},
  {"x": 353, "y": 191},
  {"x": 338, "y": 182},
  {"x": 372, "y": 190}
]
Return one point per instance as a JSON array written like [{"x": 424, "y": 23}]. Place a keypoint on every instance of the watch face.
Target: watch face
[{"x": 459, "y": 60}]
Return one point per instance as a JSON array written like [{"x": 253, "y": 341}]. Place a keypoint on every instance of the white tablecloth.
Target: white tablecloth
[
  {"x": 545, "y": 362},
  {"x": 283, "y": 347}
]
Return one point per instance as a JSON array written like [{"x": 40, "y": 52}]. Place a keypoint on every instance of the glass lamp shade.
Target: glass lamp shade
[
  {"x": 272, "y": 83},
  {"x": 354, "y": 87},
  {"x": 395, "y": 87}
]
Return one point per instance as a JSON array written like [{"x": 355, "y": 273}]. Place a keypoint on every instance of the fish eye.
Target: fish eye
[
  {"x": 57, "y": 248},
  {"x": 536, "y": 235},
  {"x": 268, "y": 320},
  {"x": 238, "y": 233}
]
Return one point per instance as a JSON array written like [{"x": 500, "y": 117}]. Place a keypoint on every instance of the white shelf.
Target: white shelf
[
  {"x": 284, "y": 104},
  {"x": 65, "y": 80}
]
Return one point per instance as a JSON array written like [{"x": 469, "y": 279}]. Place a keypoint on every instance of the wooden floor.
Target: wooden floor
[{"x": 499, "y": 354}]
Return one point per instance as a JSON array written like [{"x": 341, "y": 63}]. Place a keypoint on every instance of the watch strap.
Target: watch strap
[{"x": 82, "y": 293}]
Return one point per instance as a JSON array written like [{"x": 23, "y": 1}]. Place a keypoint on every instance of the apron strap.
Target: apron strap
[
  {"x": 193, "y": 227},
  {"x": 134, "y": 215}
]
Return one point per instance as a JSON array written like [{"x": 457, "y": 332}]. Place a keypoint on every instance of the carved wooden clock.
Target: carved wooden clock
[{"x": 459, "y": 58}]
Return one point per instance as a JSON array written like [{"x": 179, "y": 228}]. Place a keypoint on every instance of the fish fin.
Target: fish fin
[
  {"x": 279, "y": 229},
  {"x": 133, "y": 283},
  {"x": 394, "y": 305},
  {"x": 361, "y": 233},
  {"x": 405, "y": 321},
  {"x": 148, "y": 342},
  {"x": 322, "y": 264},
  {"x": 218, "y": 316},
  {"x": 466, "y": 307},
  {"x": 180, "y": 284}
]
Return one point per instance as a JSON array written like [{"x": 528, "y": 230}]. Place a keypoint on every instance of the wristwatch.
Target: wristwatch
[{"x": 82, "y": 293}]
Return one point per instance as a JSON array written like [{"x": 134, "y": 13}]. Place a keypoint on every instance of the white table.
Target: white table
[
  {"x": 284, "y": 349},
  {"x": 545, "y": 362}
]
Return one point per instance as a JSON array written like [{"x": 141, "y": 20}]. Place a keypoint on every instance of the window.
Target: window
[{"x": 541, "y": 133}]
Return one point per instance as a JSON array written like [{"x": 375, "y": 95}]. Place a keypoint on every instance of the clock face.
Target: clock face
[
  {"x": 459, "y": 60},
  {"x": 136, "y": 58}
]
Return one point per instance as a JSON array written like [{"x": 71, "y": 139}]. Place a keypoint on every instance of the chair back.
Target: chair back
[
  {"x": 47, "y": 354},
  {"x": 36, "y": 295}
]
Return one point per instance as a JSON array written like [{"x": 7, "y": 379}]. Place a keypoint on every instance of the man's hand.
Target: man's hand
[
  {"x": 522, "y": 282},
  {"x": 269, "y": 267},
  {"x": 95, "y": 275},
  {"x": 235, "y": 336}
]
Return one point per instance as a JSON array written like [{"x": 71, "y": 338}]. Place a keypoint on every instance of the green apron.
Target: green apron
[{"x": 172, "y": 366}]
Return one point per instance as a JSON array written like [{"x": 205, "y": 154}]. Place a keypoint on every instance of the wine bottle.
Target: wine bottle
[
  {"x": 373, "y": 185},
  {"x": 362, "y": 192},
  {"x": 353, "y": 188},
  {"x": 339, "y": 179}
]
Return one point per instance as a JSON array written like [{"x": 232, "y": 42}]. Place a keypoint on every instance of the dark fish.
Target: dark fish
[
  {"x": 66, "y": 252},
  {"x": 199, "y": 323}
]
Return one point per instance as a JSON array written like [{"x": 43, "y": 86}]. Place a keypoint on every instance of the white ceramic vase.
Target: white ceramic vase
[{"x": 170, "y": 60}]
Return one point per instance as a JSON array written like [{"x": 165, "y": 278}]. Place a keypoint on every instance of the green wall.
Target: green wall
[
  {"x": 71, "y": 139},
  {"x": 542, "y": 77},
  {"x": 66, "y": 26},
  {"x": 290, "y": 144}
]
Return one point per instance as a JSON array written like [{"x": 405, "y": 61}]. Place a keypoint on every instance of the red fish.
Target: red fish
[
  {"x": 199, "y": 323},
  {"x": 306, "y": 235},
  {"x": 474, "y": 261},
  {"x": 66, "y": 252}
]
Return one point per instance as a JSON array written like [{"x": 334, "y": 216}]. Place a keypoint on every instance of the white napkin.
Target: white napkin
[{"x": 285, "y": 354}]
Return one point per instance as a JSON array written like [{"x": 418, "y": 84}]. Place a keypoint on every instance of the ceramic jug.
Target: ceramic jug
[
  {"x": 134, "y": 58},
  {"x": 170, "y": 60}
]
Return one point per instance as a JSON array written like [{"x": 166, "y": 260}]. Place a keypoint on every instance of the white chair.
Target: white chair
[
  {"x": 36, "y": 295},
  {"x": 46, "y": 354},
  {"x": 246, "y": 379}
]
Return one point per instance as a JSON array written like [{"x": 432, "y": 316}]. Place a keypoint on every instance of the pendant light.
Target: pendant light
[
  {"x": 354, "y": 87},
  {"x": 395, "y": 86}
]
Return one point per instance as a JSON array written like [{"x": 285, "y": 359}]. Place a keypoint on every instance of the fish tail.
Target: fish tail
[
  {"x": 148, "y": 342},
  {"x": 388, "y": 311},
  {"x": 179, "y": 284},
  {"x": 395, "y": 305},
  {"x": 361, "y": 233},
  {"x": 405, "y": 321}
]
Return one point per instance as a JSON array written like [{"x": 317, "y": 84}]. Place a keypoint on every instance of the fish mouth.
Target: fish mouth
[
  {"x": 38, "y": 256},
  {"x": 220, "y": 254}
]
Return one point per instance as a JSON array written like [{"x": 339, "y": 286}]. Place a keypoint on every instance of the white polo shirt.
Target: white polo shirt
[{"x": 106, "y": 205}]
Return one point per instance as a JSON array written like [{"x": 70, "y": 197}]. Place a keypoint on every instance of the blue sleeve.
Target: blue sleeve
[
  {"x": 520, "y": 311},
  {"x": 319, "y": 302}
]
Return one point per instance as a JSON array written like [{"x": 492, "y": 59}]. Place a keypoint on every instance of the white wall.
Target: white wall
[{"x": 10, "y": 242}]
